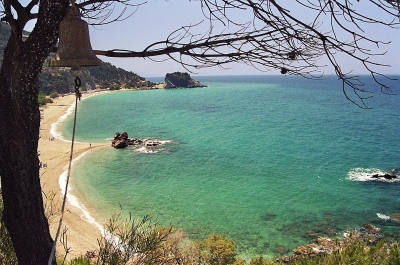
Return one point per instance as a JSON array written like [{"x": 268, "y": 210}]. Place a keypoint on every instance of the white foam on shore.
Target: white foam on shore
[
  {"x": 382, "y": 216},
  {"x": 74, "y": 201},
  {"x": 85, "y": 216},
  {"x": 144, "y": 150},
  {"x": 54, "y": 126},
  {"x": 365, "y": 174},
  {"x": 152, "y": 149}
]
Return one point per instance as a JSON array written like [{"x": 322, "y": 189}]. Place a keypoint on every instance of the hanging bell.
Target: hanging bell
[{"x": 74, "y": 49}]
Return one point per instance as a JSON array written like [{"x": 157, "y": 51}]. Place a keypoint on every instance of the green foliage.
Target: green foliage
[
  {"x": 358, "y": 252},
  {"x": 114, "y": 87},
  {"x": 104, "y": 76},
  {"x": 142, "y": 241},
  {"x": 131, "y": 242},
  {"x": 80, "y": 261},
  {"x": 7, "y": 254},
  {"x": 109, "y": 76},
  {"x": 60, "y": 80},
  {"x": 218, "y": 250},
  {"x": 239, "y": 261},
  {"x": 261, "y": 261},
  {"x": 54, "y": 94},
  {"x": 180, "y": 75},
  {"x": 42, "y": 98}
]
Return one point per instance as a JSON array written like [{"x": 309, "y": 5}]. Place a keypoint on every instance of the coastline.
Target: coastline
[
  {"x": 269, "y": 222},
  {"x": 83, "y": 231}
]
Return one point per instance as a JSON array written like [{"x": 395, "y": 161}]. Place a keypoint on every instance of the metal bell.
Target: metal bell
[{"x": 74, "y": 49}]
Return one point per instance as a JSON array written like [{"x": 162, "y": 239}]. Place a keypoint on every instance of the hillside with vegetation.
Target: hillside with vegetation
[
  {"x": 105, "y": 76},
  {"x": 58, "y": 79}
]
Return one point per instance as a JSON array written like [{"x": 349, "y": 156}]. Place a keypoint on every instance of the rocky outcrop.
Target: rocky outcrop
[
  {"x": 180, "y": 80},
  {"x": 121, "y": 140},
  {"x": 393, "y": 174},
  {"x": 368, "y": 234},
  {"x": 385, "y": 176},
  {"x": 323, "y": 246}
]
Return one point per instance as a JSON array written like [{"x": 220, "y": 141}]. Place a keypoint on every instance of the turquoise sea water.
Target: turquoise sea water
[{"x": 267, "y": 160}]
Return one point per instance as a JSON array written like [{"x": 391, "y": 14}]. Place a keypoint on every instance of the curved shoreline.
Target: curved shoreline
[
  {"x": 74, "y": 200},
  {"x": 83, "y": 231}
]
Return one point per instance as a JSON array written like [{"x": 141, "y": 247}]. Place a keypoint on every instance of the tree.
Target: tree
[
  {"x": 23, "y": 204},
  {"x": 273, "y": 38},
  {"x": 42, "y": 98}
]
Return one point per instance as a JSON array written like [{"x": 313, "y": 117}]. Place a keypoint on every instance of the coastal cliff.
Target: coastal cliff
[{"x": 180, "y": 80}]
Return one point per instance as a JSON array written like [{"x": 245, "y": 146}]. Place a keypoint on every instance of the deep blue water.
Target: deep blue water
[{"x": 266, "y": 160}]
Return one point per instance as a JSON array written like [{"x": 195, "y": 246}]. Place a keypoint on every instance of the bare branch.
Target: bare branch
[
  {"x": 99, "y": 12},
  {"x": 270, "y": 35}
]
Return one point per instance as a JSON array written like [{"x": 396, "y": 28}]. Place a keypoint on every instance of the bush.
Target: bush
[
  {"x": 42, "y": 98},
  {"x": 132, "y": 242},
  {"x": 261, "y": 261},
  {"x": 218, "y": 250},
  {"x": 54, "y": 94}
]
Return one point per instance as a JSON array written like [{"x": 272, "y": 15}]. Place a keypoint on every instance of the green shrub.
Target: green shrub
[
  {"x": 261, "y": 261},
  {"x": 54, "y": 94},
  {"x": 42, "y": 98},
  {"x": 218, "y": 250},
  {"x": 80, "y": 261},
  {"x": 132, "y": 242}
]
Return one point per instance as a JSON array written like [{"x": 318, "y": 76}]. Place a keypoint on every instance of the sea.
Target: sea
[{"x": 271, "y": 162}]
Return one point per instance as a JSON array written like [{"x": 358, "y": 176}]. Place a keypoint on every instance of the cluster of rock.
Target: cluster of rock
[
  {"x": 121, "y": 140},
  {"x": 180, "y": 80},
  {"x": 392, "y": 175},
  {"x": 385, "y": 176},
  {"x": 325, "y": 245}
]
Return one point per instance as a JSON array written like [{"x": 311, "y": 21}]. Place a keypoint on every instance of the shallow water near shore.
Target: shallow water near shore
[{"x": 270, "y": 161}]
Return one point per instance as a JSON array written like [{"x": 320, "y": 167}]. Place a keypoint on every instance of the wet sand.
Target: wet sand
[{"x": 82, "y": 235}]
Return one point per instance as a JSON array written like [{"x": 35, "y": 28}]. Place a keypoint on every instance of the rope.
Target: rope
[{"x": 78, "y": 96}]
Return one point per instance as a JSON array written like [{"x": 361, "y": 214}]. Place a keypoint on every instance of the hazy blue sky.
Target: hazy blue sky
[{"x": 157, "y": 18}]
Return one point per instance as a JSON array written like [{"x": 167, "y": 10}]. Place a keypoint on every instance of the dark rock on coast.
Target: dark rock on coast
[
  {"x": 393, "y": 174},
  {"x": 121, "y": 140},
  {"x": 385, "y": 176},
  {"x": 367, "y": 233},
  {"x": 180, "y": 80}
]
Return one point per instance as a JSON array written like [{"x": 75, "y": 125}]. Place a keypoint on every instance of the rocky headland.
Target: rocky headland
[{"x": 180, "y": 80}]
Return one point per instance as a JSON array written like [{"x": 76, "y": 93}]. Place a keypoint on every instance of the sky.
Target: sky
[{"x": 156, "y": 19}]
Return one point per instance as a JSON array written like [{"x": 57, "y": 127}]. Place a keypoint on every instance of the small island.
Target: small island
[
  {"x": 121, "y": 140},
  {"x": 180, "y": 80}
]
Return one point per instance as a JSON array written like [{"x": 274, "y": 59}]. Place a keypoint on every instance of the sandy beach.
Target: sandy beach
[{"x": 82, "y": 235}]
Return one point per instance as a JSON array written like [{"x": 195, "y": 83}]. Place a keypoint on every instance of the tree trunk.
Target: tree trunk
[{"x": 19, "y": 134}]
